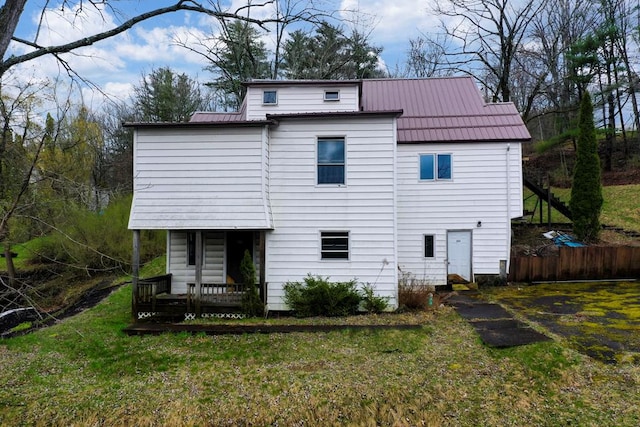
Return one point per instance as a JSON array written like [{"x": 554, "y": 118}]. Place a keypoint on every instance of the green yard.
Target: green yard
[{"x": 85, "y": 371}]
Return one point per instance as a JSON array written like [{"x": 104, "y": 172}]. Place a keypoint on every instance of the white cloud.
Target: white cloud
[{"x": 393, "y": 21}]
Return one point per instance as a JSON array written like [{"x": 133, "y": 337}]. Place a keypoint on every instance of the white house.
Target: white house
[{"x": 346, "y": 179}]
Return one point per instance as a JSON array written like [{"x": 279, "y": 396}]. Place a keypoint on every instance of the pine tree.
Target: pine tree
[{"x": 586, "y": 191}]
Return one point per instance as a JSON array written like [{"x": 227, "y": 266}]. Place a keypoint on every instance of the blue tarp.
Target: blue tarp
[{"x": 563, "y": 239}]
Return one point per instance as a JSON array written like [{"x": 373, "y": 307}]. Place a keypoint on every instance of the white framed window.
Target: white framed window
[
  {"x": 334, "y": 245},
  {"x": 269, "y": 97},
  {"x": 435, "y": 167},
  {"x": 331, "y": 161},
  {"x": 332, "y": 95},
  {"x": 429, "y": 245}
]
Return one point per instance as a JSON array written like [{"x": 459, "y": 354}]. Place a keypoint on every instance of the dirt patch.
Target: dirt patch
[{"x": 86, "y": 300}]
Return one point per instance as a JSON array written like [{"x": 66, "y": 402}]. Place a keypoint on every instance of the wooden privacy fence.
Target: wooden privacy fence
[{"x": 588, "y": 263}]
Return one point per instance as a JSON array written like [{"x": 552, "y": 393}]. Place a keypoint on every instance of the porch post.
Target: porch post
[
  {"x": 198, "y": 271},
  {"x": 263, "y": 265},
  {"x": 135, "y": 271}
]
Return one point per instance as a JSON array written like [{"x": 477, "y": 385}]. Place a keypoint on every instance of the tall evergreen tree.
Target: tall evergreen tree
[
  {"x": 586, "y": 191},
  {"x": 329, "y": 54},
  {"x": 238, "y": 55},
  {"x": 166, "y": 96}
]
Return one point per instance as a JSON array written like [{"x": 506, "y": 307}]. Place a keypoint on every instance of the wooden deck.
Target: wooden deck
[{"x": 154, "y": 300}]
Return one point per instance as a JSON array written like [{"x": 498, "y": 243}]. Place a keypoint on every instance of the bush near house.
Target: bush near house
[
  {"x": 413, "y": 293},
  {"x": 317, "y": 296}
]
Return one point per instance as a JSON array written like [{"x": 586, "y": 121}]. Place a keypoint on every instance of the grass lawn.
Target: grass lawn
[
  {"x": 85, "y": 371},
  {"x": 621, "y": 206}
]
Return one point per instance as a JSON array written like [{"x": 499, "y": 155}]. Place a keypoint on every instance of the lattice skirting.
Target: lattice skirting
[
  {"x": 220, "y": 316},
  {"x": 145, "y": 314}
]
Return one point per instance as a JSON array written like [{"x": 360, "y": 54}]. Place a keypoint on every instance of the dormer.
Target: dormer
[{"x": 305, "y": 96}]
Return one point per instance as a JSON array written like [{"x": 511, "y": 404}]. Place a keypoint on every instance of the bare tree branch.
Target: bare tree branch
[{"x": 11, "y": 11}]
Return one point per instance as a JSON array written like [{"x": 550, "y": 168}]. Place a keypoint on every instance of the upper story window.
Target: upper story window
[
  {"x": 270, "y": 97},
  {"x": 334, "y": 245},
  {"x": 331, "y": 161},
  {"x": 331, "y": 95},
  {"x": 435, "y": 166}
]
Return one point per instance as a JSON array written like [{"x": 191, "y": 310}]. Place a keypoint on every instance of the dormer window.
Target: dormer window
[
  {"x": 269, "y": 97},
  {"x": 331, "y": 95}
]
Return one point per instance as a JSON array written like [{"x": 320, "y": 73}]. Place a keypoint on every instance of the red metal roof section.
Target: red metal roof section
[
  {"x": 209, "y": 116},
  {"x": 449, "y": 109}
]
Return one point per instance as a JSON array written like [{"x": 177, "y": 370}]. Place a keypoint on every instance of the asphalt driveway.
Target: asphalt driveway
[{"x": 601, "y": 320}]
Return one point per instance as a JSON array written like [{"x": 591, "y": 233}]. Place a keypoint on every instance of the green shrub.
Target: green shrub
[
  {"x": 372, "y": 303},
  {"x": 251, "y": 304},
  {"x": 316, "y": 296}
]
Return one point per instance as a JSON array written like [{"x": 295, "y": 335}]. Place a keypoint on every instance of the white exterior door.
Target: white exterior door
[{"x": 459, "y": 253}]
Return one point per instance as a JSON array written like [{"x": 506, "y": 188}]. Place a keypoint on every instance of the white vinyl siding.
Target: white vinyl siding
[
  {"x": 200, "y": 178},
  {"x": 302, "y": 209},
  {"x": 301, "y": 99},
  {"x": 478, "y": 193},
  {"x": 213, "y": 262}
]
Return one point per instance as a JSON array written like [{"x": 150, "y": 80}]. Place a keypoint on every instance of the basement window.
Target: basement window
[{"x": 334, "y": 245}]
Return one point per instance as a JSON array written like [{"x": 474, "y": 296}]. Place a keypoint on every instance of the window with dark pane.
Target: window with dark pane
[
  {"x": 444, "y": 166},
  {"x": 331, "y": 95},
  {"x": 429, "y": 248},
  {"x": 331, "y": 161},
  {"x": 435, "y": 167},
  {"x": 269, "y": 97},
  {"x": 191, "y": 248},
  {"x": 427, "y": 166},
  {"x": 334, "y": 244}
]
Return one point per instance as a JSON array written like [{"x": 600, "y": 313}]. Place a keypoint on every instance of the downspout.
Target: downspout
[{"x": 508, "y": 221}]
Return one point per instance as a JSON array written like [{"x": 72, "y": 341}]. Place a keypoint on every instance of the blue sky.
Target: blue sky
[{"x": 115, "y": 65}]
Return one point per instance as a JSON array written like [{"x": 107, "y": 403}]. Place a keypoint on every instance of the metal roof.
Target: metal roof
[{"x": 449, "y": 109}]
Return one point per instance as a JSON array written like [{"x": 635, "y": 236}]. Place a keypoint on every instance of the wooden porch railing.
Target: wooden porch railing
[
  {"x": 217, "y": 293},
  {"x": 149, "y": 289}
]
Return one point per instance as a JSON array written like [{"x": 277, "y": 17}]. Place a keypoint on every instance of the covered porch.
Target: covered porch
[{"x": 194, "y": 292}]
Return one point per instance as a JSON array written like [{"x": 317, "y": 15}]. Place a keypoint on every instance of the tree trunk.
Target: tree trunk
[
  {"x": 11, "y": 270},
  {"x": 9, "y": 16}
]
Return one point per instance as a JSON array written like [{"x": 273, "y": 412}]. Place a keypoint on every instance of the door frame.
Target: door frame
[{"x": 469, "y": 232}]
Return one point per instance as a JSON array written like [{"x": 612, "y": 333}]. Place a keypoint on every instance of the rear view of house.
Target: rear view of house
[{"x": 334, "y": 178}]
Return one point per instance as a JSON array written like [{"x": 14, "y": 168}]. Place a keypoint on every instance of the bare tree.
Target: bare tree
[
  {"x": 489, "y": 33},
  {"x": 11, "y": 14},
  {"x": 427, "y": 57}
]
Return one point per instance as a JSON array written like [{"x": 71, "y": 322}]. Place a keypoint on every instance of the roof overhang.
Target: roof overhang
[
  {"x": 302, "y": 83},
  {"x": 334, "y": 115},
  {"x": 166, "y": 125}
]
